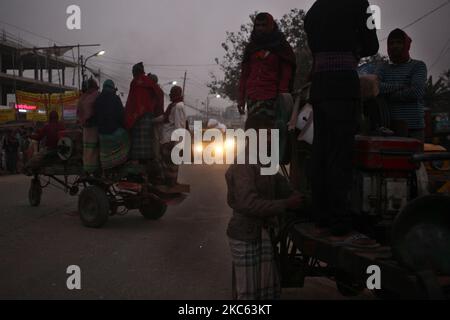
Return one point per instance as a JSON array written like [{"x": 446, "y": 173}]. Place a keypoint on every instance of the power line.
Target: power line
[
  {"x": 166, "y": 65},
  {"x": 115, "y": 60},
  {"x": 424, "y": 16},
  {"x": 441, "y": 54},
  {"x": 427, "y": 14}
]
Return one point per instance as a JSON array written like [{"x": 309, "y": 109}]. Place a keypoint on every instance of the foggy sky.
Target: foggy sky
[{"x": 186, "y": 32}]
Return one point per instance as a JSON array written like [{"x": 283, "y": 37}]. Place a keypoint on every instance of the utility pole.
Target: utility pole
[
  {"x": 79, "y": 68},
  {"x": 207, "y": 108},
  {"x": 184, "y": 82},
  {"x": 83, "y": 74}
]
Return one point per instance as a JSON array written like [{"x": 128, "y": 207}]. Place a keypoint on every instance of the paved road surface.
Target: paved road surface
[{"x": 185, "y": 255}]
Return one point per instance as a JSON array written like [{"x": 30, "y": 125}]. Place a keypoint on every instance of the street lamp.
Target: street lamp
[
  {"x": 83, "y": 63},
  {"x": 173, "y": 83},
  {"x": 217, "y": 96}
]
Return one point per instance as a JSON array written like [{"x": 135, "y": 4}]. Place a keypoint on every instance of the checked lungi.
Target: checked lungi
[
  {"x": 279, "y": 110},
  {"x": 114, "y": 148},
  {"x": 142, "y": 139},
  {"x": 90, "y": 149},
  {"x": 255, "y": 270}
]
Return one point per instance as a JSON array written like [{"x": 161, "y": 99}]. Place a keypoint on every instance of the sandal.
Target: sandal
[{"x": 358, "y": 240}]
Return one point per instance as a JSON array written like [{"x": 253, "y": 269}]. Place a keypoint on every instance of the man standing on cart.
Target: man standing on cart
[
  {"x": 140, "y": 111},
  {"x": 268, "y": 70},
  {"x": 403, "y": 83},
  {"x": 338, "y": 36}
]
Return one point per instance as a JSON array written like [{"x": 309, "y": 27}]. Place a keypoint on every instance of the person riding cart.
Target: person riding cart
[
  {"x": 335, "y": 97},
  {"x": 50, "y": 132},
  {"x": 108, "y": 118},
  {"x": 267, "y": 76},
  {"x": 143, "y": 104},
  {"x": 85, "y": 110},
  {"x": 402, "y": 85}
]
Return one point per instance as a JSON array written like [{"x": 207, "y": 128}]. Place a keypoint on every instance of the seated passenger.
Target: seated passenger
[
  {"x": 108, "y": 118},
  {"x": 174, "y": 118},
  {"x": 85, "y": 110},
  {"x": 50, "y": 133}
]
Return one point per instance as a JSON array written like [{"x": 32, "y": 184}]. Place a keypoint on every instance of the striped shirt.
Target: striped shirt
[{"x": 404, "y": 85}]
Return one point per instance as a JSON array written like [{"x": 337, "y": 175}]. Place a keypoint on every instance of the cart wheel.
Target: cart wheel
[
  {"x": 153, "y": 209},
  {"x": 73, "y": 191},
  {"x": 35, "y": 193},
  {"x": 93, "y": 206},
  {"x": 347, "y": 287}
]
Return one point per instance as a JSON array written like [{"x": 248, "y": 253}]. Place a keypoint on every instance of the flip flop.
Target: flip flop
[{"x": 351, "y": 240}]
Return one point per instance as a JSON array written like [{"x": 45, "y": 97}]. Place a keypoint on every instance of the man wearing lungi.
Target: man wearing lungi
[
  {"x": 143, "y": 99},
  {"x": 174, "y": 118},
  {"x": 338, "y": 36},
  {"x": 267, "y": 72},
  {"x": 257, "y": 200},
  {"x": 108, "y": 118},
  {"x": 85, "y": 110}
]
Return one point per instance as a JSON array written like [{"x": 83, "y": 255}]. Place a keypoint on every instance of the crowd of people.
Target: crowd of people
[
  {"x": 139, "y": 133},
  {"x": 338, "y": 37},
  {"x": 14, "y": 149}
]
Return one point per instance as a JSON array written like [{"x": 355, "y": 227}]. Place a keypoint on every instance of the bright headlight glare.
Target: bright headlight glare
[
  {"x": 198, "y": 148},
  {"x": 229, "y": 144}
]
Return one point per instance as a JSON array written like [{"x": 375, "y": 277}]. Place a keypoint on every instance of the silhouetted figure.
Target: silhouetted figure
[
  {"x": 267, "y": 76},
  {"x": 114, "y": 140},
  {"x": 143, "y": 105},
  {"x": 403, "y": 84},
  {"x": 338, "y": 37}
]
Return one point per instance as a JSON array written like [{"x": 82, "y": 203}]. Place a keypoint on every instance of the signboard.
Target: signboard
[
  {"x": 11, "y": 100},
  {"x": 47, "y": 103},
  {"x": 37, "y": 116},
  {"x": 7, "y": 115}
]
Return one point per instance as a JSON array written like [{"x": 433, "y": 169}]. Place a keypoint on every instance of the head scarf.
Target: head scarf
[
  {"x": 400, "y": 34},
  {"x": 138, "y": 69},
  {"x": 109, "y": 85},
  {"x": 176, "y": 96},
  {"x": 154, "y": 77},
  {"x": 274, "y": 41}
]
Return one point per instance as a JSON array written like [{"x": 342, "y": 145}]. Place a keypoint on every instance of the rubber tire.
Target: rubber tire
[
  {"x": 35, "y": 193},
  {"x": 94, "y": 207},
  {"x": 431, "y": 210},
  {"x": 153, "y": 209}
]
